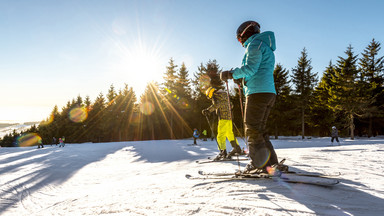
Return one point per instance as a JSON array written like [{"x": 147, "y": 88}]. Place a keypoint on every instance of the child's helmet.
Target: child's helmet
[
  {"x": 333, "y": 127},
  {"x": 209, "y": 92}
]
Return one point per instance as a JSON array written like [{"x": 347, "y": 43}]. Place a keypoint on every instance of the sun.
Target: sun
[{"x": 139, "y": 63}]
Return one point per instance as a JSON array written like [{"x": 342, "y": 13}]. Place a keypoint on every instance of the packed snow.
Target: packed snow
[{"x": 148, "y": 178}]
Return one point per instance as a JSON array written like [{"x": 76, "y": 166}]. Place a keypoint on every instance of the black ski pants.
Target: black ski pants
[
  {"x": 257, "y": 109},
  {"x": 335, "y": 137}
]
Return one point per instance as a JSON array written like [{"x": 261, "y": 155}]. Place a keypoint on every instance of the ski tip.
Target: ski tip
[
  {"x": 187, "y": 176},
  {"x": 200, "y": 172}
]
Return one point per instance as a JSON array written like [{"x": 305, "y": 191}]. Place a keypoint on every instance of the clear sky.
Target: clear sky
[{"x": 51, "y": 51}]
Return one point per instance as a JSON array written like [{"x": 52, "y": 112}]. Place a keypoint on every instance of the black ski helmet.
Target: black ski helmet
[{"x": 246, "y": 30}]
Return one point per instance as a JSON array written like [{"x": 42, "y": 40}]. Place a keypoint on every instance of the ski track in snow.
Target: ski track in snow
[{"x": 148, "y": 178}]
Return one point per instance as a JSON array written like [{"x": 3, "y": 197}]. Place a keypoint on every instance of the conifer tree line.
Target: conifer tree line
[{"x": 348, "y": 95}]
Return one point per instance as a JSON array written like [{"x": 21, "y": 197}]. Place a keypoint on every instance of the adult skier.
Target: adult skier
[
  {"x": 224, "y": 128},
  {"x": 256, "y": 76}
]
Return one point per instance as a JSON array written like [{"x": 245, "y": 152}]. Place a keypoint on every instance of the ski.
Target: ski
[
  {"x": 193, "y": 145},
  {"x": 285, "y": 177},
  {"x": 235, "y": 156},
  {"x": 309, "y": 174},
  {"x": 222, "y": 160}
]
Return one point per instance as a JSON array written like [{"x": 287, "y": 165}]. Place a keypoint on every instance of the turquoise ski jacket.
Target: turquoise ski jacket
[{"x": 258, "y": 64}]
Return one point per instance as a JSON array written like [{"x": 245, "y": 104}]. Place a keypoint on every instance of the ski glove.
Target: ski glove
[
  {"x": 205, "y": 112},
  {"x": 226, "y": 75},
  {"x": 238, "y": 81}
]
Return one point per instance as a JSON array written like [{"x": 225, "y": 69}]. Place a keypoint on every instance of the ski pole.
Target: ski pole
[
  {"x": 230, "y": 114},
  {"x": 242, "y": 114},
  {"x": 210, "y": 126},
  {"x": 229, "y": 101}
]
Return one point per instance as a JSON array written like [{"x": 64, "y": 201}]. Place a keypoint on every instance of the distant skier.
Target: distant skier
[
  {"x": 204, "y": 135},
  {"x": 54, "y": 141},
  {"x": 61, "y": 142},
  {"x": 40, "y": 143},
  {"x": 224, "y": 128},
  {"x": 256, "y": 76},
  {"x": 195, "y": 136},
  {"x": 335, "y": 135}
]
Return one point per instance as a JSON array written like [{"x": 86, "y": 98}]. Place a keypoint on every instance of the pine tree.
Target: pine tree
[
  {"x": 371, "y": 82},
  {"x": 304, "y": 81},
  {"x": 183, "y": 92},
  {"x": 111, "y": 95},
  {"x": 153, "y": 122},
  {"x": 111, "y": 115},
  {"x": 344, "y": 95},
  {"x": 125, "y": 103},
  {"x": 169, "y": 89},
  {"x": 212, "y": 69},
  {"x": 280, "y": 113},
  {"x": 322, "y": 116},
  {"x": 87, "y": 102},
  {"x": 79, "y": 101},
  {"x": 170, "y": 75},
  {"x": 200, "y": 83},
  {"x": 95, "y": 125}
]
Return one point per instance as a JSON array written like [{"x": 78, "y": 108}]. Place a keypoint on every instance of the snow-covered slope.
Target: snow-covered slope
[
  {"x": 8, "y": 128},
  {"x": 148, "y": 178}
]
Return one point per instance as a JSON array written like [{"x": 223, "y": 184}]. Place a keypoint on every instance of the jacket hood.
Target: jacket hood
[{"x": 267, "y": 37}]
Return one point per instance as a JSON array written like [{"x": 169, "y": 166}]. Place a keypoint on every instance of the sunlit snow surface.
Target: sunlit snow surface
[{"x": 148, "y": 178}]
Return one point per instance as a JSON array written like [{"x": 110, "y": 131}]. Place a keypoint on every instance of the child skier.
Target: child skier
[
  {"x": 335, "y": 135},
  {"x": 224, "y": 128},
  {"x": 40, "y": 143},
  {"x": 204, "y": 135},
  {"x": 195, "y": 136},
  {"x": 61, "y": 142}
]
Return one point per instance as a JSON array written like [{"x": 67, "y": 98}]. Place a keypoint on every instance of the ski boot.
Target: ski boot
[
  {"x": 222, "y": 155},
  {"x": 236, "y": 150},
  {"x": 277, "y": 169},
  {"x": 251, "y": 169}
]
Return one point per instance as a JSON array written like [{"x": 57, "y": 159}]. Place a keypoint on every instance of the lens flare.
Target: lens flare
[
  {"x": 28, "y": 139},
  {"x": 147, "y": 108},
  {"x": 263, "y": 155},
  {"x": 183, "y": 103},
  {"x": 78, "y": 114}
]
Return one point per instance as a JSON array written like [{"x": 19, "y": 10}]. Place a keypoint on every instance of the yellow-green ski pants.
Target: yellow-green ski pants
[{"x": 224, "y": 131}]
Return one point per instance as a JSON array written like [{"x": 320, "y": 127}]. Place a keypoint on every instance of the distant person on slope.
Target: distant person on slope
[
  {"x": 335, "y": 135},
  {"x": 195, "y": 136},
  {"x": 204, "y": 135},
  {"x": 40, "y": 143},
  {"x": 61, "y": 142},
  {"x": 54, "y": 141},
  {"x": 224, "y": 128},
  {"x": 256, "y": 76}
]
